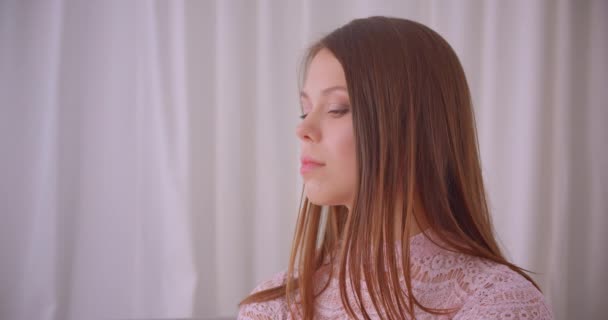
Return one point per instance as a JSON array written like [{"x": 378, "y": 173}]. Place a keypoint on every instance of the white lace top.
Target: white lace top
[{"x": 476, "y": 288}]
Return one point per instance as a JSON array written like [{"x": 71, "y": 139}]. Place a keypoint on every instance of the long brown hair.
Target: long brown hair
[{"x": 415, "y": 141}]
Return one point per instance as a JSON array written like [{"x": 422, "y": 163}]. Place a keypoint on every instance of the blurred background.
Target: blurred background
[{"x": 149, "y": 162}]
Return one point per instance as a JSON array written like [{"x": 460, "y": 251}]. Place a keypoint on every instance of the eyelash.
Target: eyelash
[{"x": 338, "y": 112}]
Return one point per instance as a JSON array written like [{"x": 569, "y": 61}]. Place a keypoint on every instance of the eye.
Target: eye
[{"x": 339, "y": 111}]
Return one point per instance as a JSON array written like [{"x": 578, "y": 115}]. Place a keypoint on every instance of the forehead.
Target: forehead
[{"x": 324, "y": 71}]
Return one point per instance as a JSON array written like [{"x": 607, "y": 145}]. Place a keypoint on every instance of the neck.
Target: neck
[
  {"x": 414, "y": 221},
  {"x": 413, "y": 225}
]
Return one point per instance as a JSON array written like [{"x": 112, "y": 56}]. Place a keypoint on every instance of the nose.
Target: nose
[{"x": 307, "y": 129}]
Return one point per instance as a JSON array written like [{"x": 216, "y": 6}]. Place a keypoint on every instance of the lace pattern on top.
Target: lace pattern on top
[{"x": 475, "y": 288}]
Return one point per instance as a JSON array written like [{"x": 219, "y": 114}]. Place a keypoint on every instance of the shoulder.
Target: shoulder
[
  {"x": 477, "y": 288},
  {"x": 274, "y": 281},
  {"x": 497, "y": 292},
  {"x": 272, "y": 309}
]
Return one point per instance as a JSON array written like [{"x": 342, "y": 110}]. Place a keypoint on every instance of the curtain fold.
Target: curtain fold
[{"x": 149, "y": 156}]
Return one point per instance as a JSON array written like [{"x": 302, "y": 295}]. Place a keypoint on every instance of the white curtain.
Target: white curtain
[{"x": 149, "y": 160}]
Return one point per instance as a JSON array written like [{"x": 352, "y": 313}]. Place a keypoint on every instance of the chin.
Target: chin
[
  {"x": 322, "y": 198},
  {"x": 316, "y": 201},
  {"x": 322, "y": 193}
]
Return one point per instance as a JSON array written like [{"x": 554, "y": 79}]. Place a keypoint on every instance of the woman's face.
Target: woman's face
[{"x": 328, "y": 160}]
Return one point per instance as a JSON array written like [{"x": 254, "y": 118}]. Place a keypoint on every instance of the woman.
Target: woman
[{"x": 394, "y": 223}]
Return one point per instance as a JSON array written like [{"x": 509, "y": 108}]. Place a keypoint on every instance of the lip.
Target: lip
[{"x": 309, "y": 164}]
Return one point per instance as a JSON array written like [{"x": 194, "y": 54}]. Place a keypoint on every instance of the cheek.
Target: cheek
[
  {"x": 344, "y": 172},
  {"x": 345, "y": 151}
]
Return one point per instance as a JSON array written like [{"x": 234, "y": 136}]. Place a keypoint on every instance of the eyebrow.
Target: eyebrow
[{"x": 325, "y": 91}]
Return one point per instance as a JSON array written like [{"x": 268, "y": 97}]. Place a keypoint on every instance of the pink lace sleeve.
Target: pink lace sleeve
[
  {"x": 273, "y": 309},
  {"x": 506, "y": 300}
]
